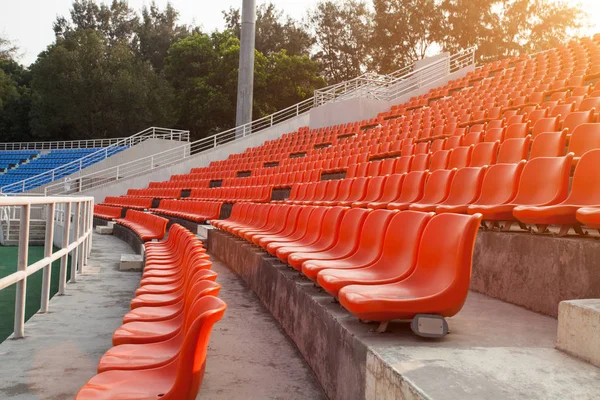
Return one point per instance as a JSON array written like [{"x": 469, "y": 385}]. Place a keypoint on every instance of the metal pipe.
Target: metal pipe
[
  {"x": 21, "y": 286},
  {"x": 246, "y": 64},
  {"x": 48, "y": 247},
  {"x": 65, "y": 243},
  {"x": 75, "y": 254}
]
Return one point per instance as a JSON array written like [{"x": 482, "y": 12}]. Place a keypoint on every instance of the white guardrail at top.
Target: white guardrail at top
[
  {"x": 398, "y": 83},
  {"x": 101, "y": 154},
  {"x": 386, "y": 87},
  {"x": 74, "y": 213}
]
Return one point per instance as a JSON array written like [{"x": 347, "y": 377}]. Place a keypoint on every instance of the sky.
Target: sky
[{"x": 28, "y": 23}]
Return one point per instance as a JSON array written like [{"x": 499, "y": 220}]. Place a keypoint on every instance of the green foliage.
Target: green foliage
[{"x": 274, "y": 31}]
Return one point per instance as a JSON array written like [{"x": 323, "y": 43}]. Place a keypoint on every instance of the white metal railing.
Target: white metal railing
[
  {"x": 66, "y": 144},
  {"x": 375, "y": 86},
  {"x": 396, "y": 84},
  {"x": 76, "y": 214},
  {"x": 84, "y": 162}
]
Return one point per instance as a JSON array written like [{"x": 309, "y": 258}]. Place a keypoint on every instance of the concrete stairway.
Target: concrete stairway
[{"x": 37, "y": 233}]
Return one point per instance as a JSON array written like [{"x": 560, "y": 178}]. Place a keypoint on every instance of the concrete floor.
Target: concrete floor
[
  {"x": 249, "y": 355},
  {"x": 61, "y": 349}
]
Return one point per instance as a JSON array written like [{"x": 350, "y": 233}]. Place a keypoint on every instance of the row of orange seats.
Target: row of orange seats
[
  {"x": 135, "y": 203},
  {"x": 146, "y": 226},
  {"x": 160, "y": 350},
  {"x": 537, "y": 191},
  {"x": 197, "y": 211},
  {"x": 260, "y": 194},
  {"x": 155, "y": 193},
  {"x": 107, "y": 212},
  {"x": 401, "y": 271},
  {"x": 184, "y": 183}
]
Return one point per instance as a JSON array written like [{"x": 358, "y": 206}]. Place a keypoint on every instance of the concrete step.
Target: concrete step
[{"x": 579, "y": 329}]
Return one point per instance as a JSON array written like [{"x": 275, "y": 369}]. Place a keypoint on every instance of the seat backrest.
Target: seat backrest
[
  {"x": 585, "y": 137},
  {"x": 370, "y": 246},
  {"x": 513, "y": 150},
  {"x": 500, "y": 183},
  {"x": 495, "y": 135},
  {"x": 444, "y": 266},
  {"x": 551, "y": 124},
  {"x": 392, "y": 188},
  {"x": 460, "y": 157},
  {"x": 359, "y": 189},
  {"x": 472, "y": 138},
  {"x": 344, "y": 189},
  {"x": 517, "y": 131},
  {"x": 437, "y": 145},
  {"x": 439, "y": 160},
  {"x": 484, "y": 153},
  {"x": 466, "y": 186},
  {"x": 387, "y": 166},
  {"x": 315, "y": 223},
  {"x": 403, "y": 164},
  {"x": 549, "y": 144},
  {"x": 589, "y": 103},
  {"x": 544, "y": 181},
  {"x": 401, "y": 242},
  {"x": 536, "y": 115},
  {"x": 437, "y": 186},
  {"x": 332, "y": 190},
  {"x": 574, "y": 119},
  {"x": 452, "y": 142},
  {"x": 585, "y": 188},
  {"x": 420, "y": 162},
  {"x": 373, "y": 168},
  {"x": 332, "y": 221},
  {"x": 350, "y": 229},
  {"x": 562, "y": 110},
  {"x": 412, "y": 187},
  {"x": 320, "y": 190}
]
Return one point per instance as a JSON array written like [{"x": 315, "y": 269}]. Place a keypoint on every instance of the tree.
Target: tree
[
  {"x": 203, "y": 70},
  {"x": 404, "y": 31},
  {"x": 342, "y": 30},
  {"x": 86, "y": 88},
  {"x": 502, "y": 28},
  {"x": 7, "y": 49},
  {"x": 274, "y": 31},
  {"x": 156, "y": 32}
]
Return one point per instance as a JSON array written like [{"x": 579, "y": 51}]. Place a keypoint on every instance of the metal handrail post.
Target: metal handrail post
[
  {"x": 47, "y": 271},
  {"x": 21, "y": 286},
  {"x": 75, "y": 253},
  {"x": 65, "y": 243}
]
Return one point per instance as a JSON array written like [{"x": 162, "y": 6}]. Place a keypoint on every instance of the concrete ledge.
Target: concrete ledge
[
  {"x": 579, "y": 329},
  {"x": 186, "y": 223},
  {"x": 494, "y": 352},
  {"x": 104, "y": 230},
  {"x": 203, "y": 231},
  {"x": 535, "y": 271},
  {"x": 131, "y": 262},
  {"x": 129, "y": 237},
  {"x": 100, "y": 222}
]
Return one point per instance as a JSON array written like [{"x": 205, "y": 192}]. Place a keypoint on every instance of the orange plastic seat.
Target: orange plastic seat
[
  {"x": 464, "y": 190},
  {"x": 545, "y": 125},
  {"x": 295, "y": 231},
  {"x": 397, "y": 261},
  {"x": 368, "y": 250},
  {"x": 517, "y": 131},
  {"x": 439, "y": 160},
  {"x": 484, "y": 153},
  {"x": 585, "y": 137},
  {"x": 574, "y": 119},
  {"x": 342, "y": 193},
  {"x": 179, "y": 379},
  {"x": 374, "y": 191},
  {"x": 513, "y": 150},
  {"x": 589, "y": 216},
  {"x": 585, "y": 191},
  {"x": 391, "y": 191},
  {"x": 358, "y": 191},
  {"x": 460, "y": 157},
  {"x": 436, "y": 190},
  {"x": 544, "y": 182},
  {"x": 439, "y": 283},
  {"x": 420, "y": 162},
  {"x": 329, "y": 232},
  {"x": 345, "y": 244},
  {"x": 403, "y": 164},
  {"x": 310, "y": 236},
  {"x": 412, "y": 190},
  {"x": 284, "y": 228},
  {"x": 549, "y": 144}
]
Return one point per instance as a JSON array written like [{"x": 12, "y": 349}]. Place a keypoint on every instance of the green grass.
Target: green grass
[{"x": 8, "y": 265}]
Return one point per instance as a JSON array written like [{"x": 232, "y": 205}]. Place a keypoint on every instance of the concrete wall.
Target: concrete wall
[
  {"x": 429, "y": 60},
  {"x": 536, "y": 271},
  {"x": 200, "y": 160}
]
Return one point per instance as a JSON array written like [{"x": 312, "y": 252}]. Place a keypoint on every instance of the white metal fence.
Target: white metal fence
[
  {"x": 386, "y": 87},
  {"x": 76, "y": 214},
  {"x": 84, "y": 162}
]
